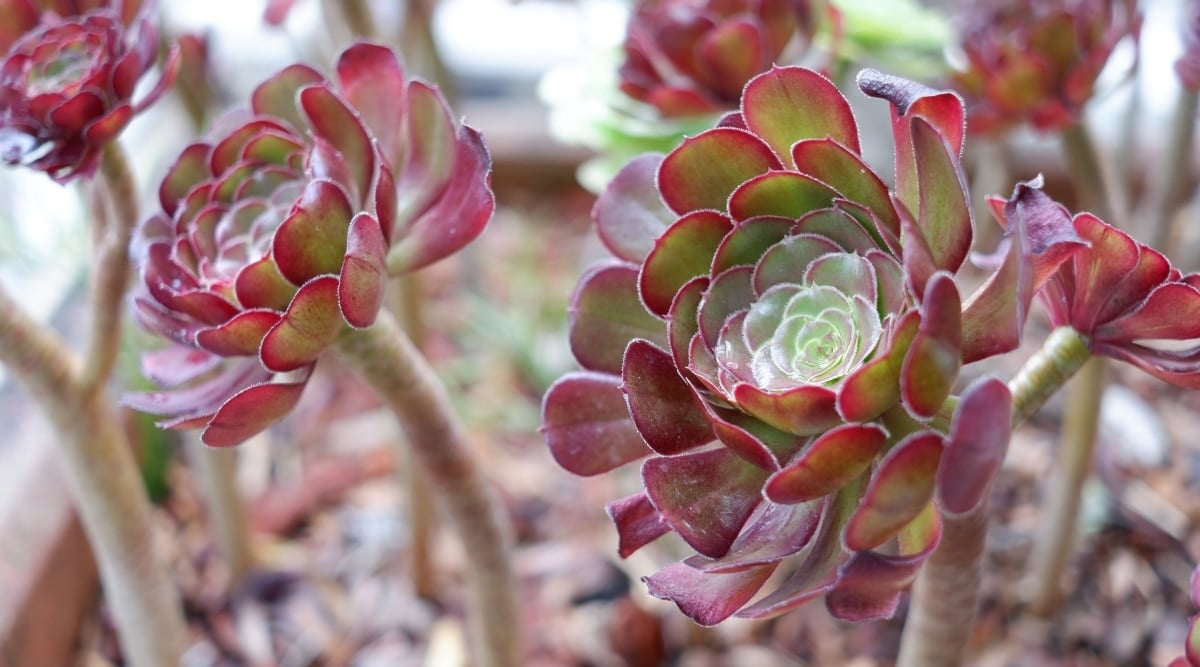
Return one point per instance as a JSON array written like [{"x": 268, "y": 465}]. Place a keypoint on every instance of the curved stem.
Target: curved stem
[
  {"x": 111, "y": 267},
  {"x": 108, "y": 490},
  {"x": 946, "y": 594},
  {"x": 390, "y": 363},
  {"x": 216, "y": 471}
]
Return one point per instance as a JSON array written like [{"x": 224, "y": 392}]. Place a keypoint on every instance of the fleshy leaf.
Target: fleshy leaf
[
  {"x": 707, "y": 598},
  {"x": 787, "y": 194},
  {"x": 250, "y": 411},
  {"x": 706, "y": 496},
  {"x": 311, "y": 324},
  {"x": 638, "y": 523},
  {"x": 364, "y": 272},
  {"x": 604, "y": 314},
  {"x": 587, "y": 424},
  {"x": 776, "y": 532},
  {"x": 277, "y": 96},
  {"x": 944, "y": 211},
  {"x": 705, "y": 169},
  {"x": 805, "y": 410},
  {"x": 312, "y": 241},
  {"x": 979, "y": 435},
  {"x": 931, "y": 366},
  {"x": 875, "y": 387},
  {"x": 790, "y": 104},
  {"x": 372, "y": 79},
  {"x": 629, "y": 214},
  {"x": 241, "y": 335},
  {"x": 832, "y": 461},
  {"x": 664, "y": 407},
  {"x": 1170, "y": 312},
  {"x": 844, "y": 171},
  {"x": 683, "y": 252},
  {"x": 900, "y": 489}
]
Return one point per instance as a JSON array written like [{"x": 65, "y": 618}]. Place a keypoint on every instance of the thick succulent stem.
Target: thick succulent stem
[
  {"x": 108, "y": 490},
  {"x": 390, "y": 363},
  {"x": 946, "y": 594},
  {"x": 1056, "y": 532},
  {"x": 112, "y": 266},
  {"x": 216, "y": 471},
  {"x": 1176, "y": 168}
]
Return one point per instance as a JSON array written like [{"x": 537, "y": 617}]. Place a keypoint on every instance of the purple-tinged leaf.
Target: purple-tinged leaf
[
  {"x": 312, "y": 240},
  {"x": 731, "y": 54},
  {"x": 372, "y": 79},
  {"x": 805, "y": 410},
  {"x": 943, "y": 110},
  {"x": 241, "y": 335},
  {"x": 683, "y": 320},
  {"x": 638, "y": 523},
  {"x": 1151, "y": 269},
  {"x": 605, "y": 313},
  {"x": 277, "y": 96},
  {"x": 189, "y": 169},
  {"x": 728, "y": 293},
  {"x": 259, "y": 284},
  {"x": 900, "y": 489},
  {"x": 175, "y": 364},
  {"x": 833, "y": 460},
  {"x": 1042, "y": 238},
  {"x": 665, "y": 409},
  {"x": 707, "y": 598},
  {"x": 338, "y": 124},
  {"x": 786, "y": 194},
  {"x": 1170, "y": 312},
  {"x": 790, "y": 104},
  {"x": 456, "y": 218},
  {"x": 629, "y": 214},
  {"x": 683, "y": 252},
  {"x": 844, "y": 171},
  {"x": 787, "y": 261},
  {"x": 203, "y": 398},
  {"x": 750, "y": 438},
  {"x": 705, "y": 169},
  {"x": 312, "y": 322},
  {"x": 775, "y": 532},
  {"x": 944, "y": 213},
  {"x": 818, "y": 570},
  {"x": 1181, "y": 369},
  {"x": 250, "y": 411},
  {"x": 838, "y": 226},
  {"x": 706, "y": 496},
  {"x": 587, "y": 425},
  {"x": 870, "y": 584},
  {"x": 1099, "y": 269},
  {"x": 935, "y": 356},
  {"x": 228, "y": 152},
  {"x": 428, "y": 160},
  {"x": 363, "y": 276},
  {"x": 979, "y": 435}
]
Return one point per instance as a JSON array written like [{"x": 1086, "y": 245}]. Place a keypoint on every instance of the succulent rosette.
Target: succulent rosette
[
  {"x": 776, "y": 339},
  {"x": 1122, "y": 296},
  {"x": 280, "y": 231},
  {"x": 1036, "y": 61},
  {"x": 692, "y": 57},
  {"x": 68, "y": 79}
]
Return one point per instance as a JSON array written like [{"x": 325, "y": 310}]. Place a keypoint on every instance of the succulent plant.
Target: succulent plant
[
  {"x": 691, "y": 57},
  {"x": 68, "y": 78},
  {"x": 1122, "y": 296},
  {"x": 1036, "y": 61},
  {"x": 777, "y": 338},
  {"x": 280, "y": 230}
]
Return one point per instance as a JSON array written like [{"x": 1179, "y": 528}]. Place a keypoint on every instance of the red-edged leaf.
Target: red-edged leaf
[
  {"x": 638, "y": 523},
  {"x": 979, "y": 435},
  {"x": 706, "y": 496},
  {"x": 835, "y": 165},
  {"x": 455, "y": 218},
  {"x": 935, "y": 356},
  {"x": 683, "y": 320},
  {"x": 683, "y": 252},
  {"x": 372, "y": 79},
  {"x": 364, "y": 272},
  {"x": 240, "y": 336},
  {"x": 875, "y": 387},
  {"x": 277, "y": 96},
  {"x": 665, "y": 409},
  {"x": 189, "y": 169},
  {"x": 786, "y": 194},
  {"x": 727, "y": 294},
  {"x": 203, "y": 398},
  {"x": 732, "y": 53},
  {"x": 311, "y": 323},
  {"x": 430, "y": 153},
  {"x": 750, "y": 438},
  {"x": 944, "y": 211},
  {"x": 748, "y": 241},
  {"x": 900, "y": 490},
  {"x": 175, "y": 364},
  {"x": 707, "y": 598},
  {"x": 1170, "y": 312},
  {"x": 312, "y": 240},
  {"x": 805, "y": 410},
  {"x": 629, "y": 214},
  {"x": 332, "y": 119},
  {"x": 705, "y": 169},
  {"x": 776, "y": 532},
  {"x": 250, "y": 411},
  {"x": 260, "y": 285},
  {"x": 587, "y": 424},
  {"x": 604, "y": 314},
  {"x": 790, "y": 104},
  {"x": 835, "y": 459}
]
